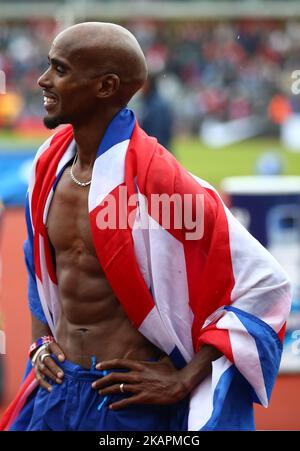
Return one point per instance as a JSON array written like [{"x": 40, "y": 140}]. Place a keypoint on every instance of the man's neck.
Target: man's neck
[{"x": 89, "y": 136}]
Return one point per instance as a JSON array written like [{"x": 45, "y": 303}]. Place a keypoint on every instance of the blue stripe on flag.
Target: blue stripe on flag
[
  {"x": 120, "y": 129},
  {"x": 232, "y": 404},
  {"x": 57, "y": 179},
  {"x": 177, "y": 358},
  {"x": 268, "y": 345}
]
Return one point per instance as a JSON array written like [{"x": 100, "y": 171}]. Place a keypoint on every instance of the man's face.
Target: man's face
[{"x": 69, "y": 92}]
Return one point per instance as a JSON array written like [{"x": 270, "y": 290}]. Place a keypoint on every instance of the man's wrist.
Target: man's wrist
[
  {"x": 198, "y": 368},
  {"x": 45, "y": 340}
]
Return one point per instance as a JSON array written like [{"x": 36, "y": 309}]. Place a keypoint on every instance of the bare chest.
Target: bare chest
[{"x": 68, "y": 221}]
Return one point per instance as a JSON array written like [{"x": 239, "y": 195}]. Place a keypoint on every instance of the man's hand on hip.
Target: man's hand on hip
[
  {"x": 45, "y": 366},
  {"x": 148, "y": 382}
]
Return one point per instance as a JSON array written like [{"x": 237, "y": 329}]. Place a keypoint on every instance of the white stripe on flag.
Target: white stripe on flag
[
  {"x": 260, "y": 283},
  {"x": 153, "y": 328},
  {"x": 164, "y": 267},
  {"x": 41, "y": 149},
  {"x": 108, "y": 173}
]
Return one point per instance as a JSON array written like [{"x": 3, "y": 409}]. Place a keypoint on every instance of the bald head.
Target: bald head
[{"x": 105, "y": 48}]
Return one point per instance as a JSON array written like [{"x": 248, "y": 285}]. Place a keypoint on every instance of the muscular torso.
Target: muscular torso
[{"x": 92, "y": 321}]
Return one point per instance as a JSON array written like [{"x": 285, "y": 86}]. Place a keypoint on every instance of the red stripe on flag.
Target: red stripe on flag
[
  {"x": 281, "y": 333},
  {"x": 115, "y": 252},
  {"x": 218, "y": 338},
  {"x": 46, "y": 168},
  {"x": 158, "y": 172}
]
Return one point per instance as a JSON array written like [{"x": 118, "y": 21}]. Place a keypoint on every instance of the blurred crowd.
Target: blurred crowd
[
  {"x": 224, "y": 70},
  {"x": 23, "y": 56}
]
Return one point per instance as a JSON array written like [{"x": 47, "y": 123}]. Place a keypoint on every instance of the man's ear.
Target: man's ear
[{"x": 108, "y": 85}]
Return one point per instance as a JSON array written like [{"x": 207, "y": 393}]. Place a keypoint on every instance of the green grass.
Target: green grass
[
  {"x": 238, "y": 159},
  {"x": 16, "y": 142}
]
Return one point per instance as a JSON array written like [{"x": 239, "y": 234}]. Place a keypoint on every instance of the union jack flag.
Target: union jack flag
[{"x": 222, "y": 289}]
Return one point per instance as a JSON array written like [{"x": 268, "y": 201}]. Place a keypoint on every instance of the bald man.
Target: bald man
[
  {"x": 107, "y": 361},
  {"x": 94, "y": 70}
]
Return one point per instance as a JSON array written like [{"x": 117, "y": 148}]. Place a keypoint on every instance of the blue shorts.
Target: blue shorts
[{"x": 75, "y": 406}]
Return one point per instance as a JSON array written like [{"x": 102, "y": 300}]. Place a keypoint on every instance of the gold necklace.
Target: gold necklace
[{"x": 73, "y": 176}]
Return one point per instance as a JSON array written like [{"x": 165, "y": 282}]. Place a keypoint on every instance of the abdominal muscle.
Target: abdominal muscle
[{"x": 92, "y": 321}]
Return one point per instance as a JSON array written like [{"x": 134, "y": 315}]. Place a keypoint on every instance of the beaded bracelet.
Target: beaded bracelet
[{"x": 45, "y": 340}]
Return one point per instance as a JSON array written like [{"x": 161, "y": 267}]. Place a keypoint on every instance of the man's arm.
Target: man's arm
[
  {"x": 155, "y": 382},
  {"x": 38, "y": 328}
]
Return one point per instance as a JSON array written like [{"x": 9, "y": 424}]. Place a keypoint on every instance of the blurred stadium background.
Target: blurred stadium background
[{"x": 228, "y": 73}]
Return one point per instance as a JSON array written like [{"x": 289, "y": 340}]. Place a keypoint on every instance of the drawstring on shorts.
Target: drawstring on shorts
[{"x": 104, "y": 373}]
